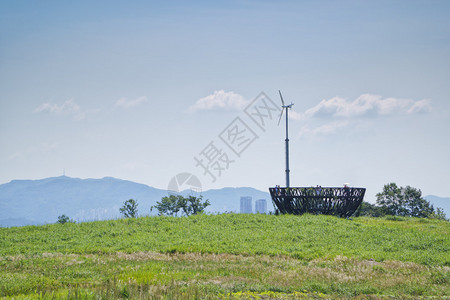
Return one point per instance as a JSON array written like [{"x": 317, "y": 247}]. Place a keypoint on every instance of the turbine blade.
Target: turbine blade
[
  {"x": 282, "y": 101},
  {"x": 280, "y": 116}
]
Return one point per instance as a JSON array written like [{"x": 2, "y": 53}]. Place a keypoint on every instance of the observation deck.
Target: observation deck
[{"x": 338, "y": 201}]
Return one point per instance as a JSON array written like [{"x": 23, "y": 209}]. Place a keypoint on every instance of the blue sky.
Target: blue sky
[{"x": 137, "y": 90}]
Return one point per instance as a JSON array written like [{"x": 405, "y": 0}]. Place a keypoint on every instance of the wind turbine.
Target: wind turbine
[{"x": 287, "y": 137}]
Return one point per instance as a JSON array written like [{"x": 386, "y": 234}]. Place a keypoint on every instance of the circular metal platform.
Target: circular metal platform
[{"x": 338, "y": 201}]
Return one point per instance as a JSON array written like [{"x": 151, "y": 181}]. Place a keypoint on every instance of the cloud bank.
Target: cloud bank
[
  {"x": 127, "y": 103},
  {"x": 69, "y": 107},
  {"x": 366, "y": 105},
  {"x": 220, "y": 100},
  {"x": 338, "y": 113},
  {"x": 325, "y": 129}
]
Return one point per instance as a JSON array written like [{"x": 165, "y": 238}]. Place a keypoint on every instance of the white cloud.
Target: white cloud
[
  {"x": 220, "y": 100},
  {"x": 325, "y": 129},
  {"x": 295, "y": 115},
  {"x": 421, "y": 106},
  {"x": 40, "y": 149},
  {"x": 127, "y": 103},
  {"x": 69, "y": 107},
  {"x": 338, "y": 113},
  {"x": 366, "y": 104}
]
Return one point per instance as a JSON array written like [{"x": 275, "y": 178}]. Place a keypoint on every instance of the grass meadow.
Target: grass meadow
[{"x": 228, "y": 256}]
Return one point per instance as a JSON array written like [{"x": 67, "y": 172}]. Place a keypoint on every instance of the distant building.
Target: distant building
[
  {"x": 261, "y": 206},
  {"x": 246, "y": 205}
]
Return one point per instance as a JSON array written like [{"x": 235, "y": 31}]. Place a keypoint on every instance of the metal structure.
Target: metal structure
[{"x": 338, "y": 201}]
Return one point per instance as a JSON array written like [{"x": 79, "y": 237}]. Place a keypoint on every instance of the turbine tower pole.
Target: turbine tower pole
[
  {"x": 287, "y": 148},
  {"x": 286, "y": 107}
]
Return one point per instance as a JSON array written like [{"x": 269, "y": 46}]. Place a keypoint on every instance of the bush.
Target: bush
[
  {"x": 129, "y": 209},
  {"x": 63, "y": 219}
]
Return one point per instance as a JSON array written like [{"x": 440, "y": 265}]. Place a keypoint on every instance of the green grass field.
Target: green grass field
[{"x": 229, "y": 256}]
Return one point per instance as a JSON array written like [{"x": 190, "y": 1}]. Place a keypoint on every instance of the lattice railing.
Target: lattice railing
[{"x": 339, "y": 201}]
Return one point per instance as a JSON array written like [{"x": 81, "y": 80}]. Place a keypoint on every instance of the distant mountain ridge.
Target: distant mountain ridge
[
  {"x": 30, "y": 202},
  {"x": 33, "y": 202},
  {"x": 441, "y": 202}
]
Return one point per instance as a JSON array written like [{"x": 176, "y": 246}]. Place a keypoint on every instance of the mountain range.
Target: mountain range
[
  {"x": 441, "y": 202},
  {"x": 35, "y": 202}
]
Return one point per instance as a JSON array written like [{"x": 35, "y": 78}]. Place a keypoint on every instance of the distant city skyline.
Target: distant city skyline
[
  {"x": 246, "y": 206},
  {"x": 146, "y": 91},
  {"x": 261, "y": 206}
]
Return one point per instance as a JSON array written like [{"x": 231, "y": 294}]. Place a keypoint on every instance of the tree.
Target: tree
[
  {"x": 369, "y": 210},
  {"x": 408, "y": 201},
  {"x": 415, "y": 205},
  {"x": 63, "y": 219},
  {"x": 390, "y": 200},
  {"x": 439, "y": 214},
  {"x": 194, "y": 205},
  {"x": 169, "y": 206},
  {"x": 173, "y": 204},
  {"x": 129, "y": 209}
]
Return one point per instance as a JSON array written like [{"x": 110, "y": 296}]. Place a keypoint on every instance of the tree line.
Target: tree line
[
  {"x": 393, "y": 200},
  {"x": 172, "y": 205},
  {"x": 400, "y": 201}
]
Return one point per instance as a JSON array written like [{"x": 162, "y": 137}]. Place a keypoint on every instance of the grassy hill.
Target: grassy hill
[{"x": 227, "y": 256}]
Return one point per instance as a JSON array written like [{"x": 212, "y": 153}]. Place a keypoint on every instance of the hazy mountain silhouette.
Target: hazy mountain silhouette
[
  {"x": 28, "y": 202},
  {"x": 441, "y": 202},
  {"x": 33, "y": 202}
]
